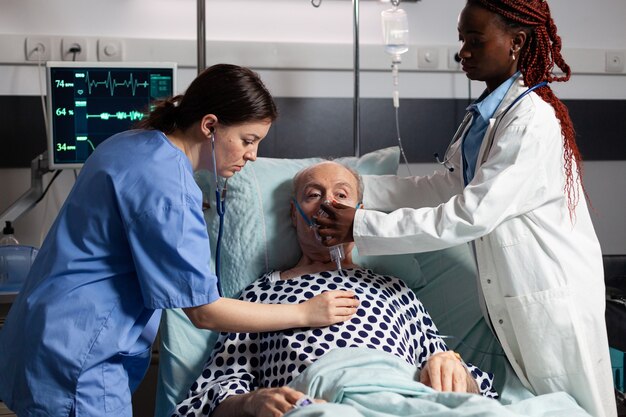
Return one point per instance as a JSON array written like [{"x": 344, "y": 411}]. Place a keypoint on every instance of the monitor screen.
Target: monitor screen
[{"x": 90, "y": 101}]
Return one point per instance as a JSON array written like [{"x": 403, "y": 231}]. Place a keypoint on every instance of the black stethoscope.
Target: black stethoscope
[
  {"x": 466, "y": 120},
  {"x": 220, "y": 205}
]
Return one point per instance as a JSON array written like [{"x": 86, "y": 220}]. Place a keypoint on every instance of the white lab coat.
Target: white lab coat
[{"x": 540, "y": 271}]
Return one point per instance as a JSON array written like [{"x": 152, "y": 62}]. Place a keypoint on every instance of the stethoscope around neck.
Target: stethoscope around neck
[
  {"x": 447, "y": 156},
  {"x": 220, "y": 206}
]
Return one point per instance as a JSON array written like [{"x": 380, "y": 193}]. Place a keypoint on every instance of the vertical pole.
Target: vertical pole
[
  {"x": 356, "y": 115},
  {"x": 201, "y": 35}
]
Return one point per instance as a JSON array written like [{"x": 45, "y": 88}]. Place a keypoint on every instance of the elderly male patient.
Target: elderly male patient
[{"x": 247, "y": 374}]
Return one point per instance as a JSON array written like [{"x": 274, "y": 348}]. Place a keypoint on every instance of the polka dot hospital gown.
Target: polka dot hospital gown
[{"x": 389, "y": 318}]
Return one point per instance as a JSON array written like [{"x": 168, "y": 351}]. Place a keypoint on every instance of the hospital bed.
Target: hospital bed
[{"x": 258, "y": 237}]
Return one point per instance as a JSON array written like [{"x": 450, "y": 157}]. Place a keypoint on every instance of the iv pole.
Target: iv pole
[
  {"x": 201, "y": 34},
  {"x": 356, "y": 102}
]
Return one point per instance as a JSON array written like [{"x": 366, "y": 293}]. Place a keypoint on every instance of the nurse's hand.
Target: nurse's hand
[
  {"x": 337, "y": 227},
  {"x": 444, "y": 371},
  {"x": 329, "y": 307}
]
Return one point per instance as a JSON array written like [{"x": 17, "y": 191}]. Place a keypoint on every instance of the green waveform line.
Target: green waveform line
[
  {"x": 120, "y": 115},
  {"x": 85, "y": 139},
  {"x": 112, "y": 83}
]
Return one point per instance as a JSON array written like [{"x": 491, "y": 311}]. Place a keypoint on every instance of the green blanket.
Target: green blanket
[{"x": 369, "y": 383}]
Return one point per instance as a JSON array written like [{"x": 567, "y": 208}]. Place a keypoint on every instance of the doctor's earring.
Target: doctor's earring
[{"x": 513, "y": 52}]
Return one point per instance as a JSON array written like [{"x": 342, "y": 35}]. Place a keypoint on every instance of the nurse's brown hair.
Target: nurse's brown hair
[
  {"x": 232, "y": 93},
  {"x": 539, "y": 55}
]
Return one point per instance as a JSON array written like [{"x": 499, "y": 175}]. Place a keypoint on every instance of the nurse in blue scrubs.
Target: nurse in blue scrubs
[{"x": 131, "y": 240}]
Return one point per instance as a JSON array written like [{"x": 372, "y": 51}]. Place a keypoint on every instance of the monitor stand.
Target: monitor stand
[{"x": 38, "y": 167}]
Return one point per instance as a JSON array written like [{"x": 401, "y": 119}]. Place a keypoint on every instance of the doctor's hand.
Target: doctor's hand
[
  {"x": 337, "y": 227},
  {"x": 329, "y": 307},
  {"x": 444, "y": 371}
]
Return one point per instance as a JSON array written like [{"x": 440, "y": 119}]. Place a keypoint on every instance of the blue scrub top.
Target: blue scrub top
[{"x": 130, "y": 240}]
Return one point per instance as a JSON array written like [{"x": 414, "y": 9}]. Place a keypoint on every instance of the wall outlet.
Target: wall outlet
[
  {"x": 427, "y": 58},
  {"x": 37, "y": 48},
  {"x": 615, "y": 61},
  {"x": 454, "y": 59},
  {"x": 74, "y": 49},
  {"x": 110, "y": 50}
]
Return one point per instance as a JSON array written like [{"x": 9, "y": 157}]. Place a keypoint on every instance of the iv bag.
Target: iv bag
[{"x": 395, "y": 31}]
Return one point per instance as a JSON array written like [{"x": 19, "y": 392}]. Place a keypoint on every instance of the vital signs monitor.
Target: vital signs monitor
[{"x": 90, "y": 101}]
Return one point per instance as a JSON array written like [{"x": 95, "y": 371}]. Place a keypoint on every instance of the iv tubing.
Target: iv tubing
[{"x": 396, "y": 105}]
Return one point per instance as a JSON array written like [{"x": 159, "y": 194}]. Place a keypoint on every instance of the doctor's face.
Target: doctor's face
[
  {"x": 234, "y": 146},
  {"x": 486, "y": 46},
  {"x": 326, "y": 181}
]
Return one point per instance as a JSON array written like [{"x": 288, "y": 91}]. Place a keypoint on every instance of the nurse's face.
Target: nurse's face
[
  {"x": 325, "y": 181},
  {"x": 234, "y": 146},
  {"x": 487, "y": 46}
]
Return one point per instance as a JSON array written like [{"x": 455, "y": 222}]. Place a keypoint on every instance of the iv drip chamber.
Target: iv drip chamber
[{"x": 395, "y": 31}]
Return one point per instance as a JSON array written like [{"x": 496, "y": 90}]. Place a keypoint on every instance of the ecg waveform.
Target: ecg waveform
[
  {"x": 112, "y": 83},
  {"x": 120, "y": 115}
]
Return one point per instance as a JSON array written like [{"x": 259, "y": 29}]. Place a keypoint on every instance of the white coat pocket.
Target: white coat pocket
[{"x": 544, "y": 324}]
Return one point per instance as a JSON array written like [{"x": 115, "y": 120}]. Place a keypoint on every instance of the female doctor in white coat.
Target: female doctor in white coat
[{"x": 512, "y": 188}]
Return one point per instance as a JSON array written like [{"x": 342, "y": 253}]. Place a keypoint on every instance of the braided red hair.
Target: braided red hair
[{"x": 537, "y": 59}]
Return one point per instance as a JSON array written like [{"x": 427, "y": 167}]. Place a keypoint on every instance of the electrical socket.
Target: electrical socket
[
  {"x": 427, "y": 58},
  {"x": 37, "y": 48},
  {"x": 110, "y": 50},
  {"x": 69, "y": 44},
  {"x": 454, "y": 59},
  {"x": 615, "y": 61}
]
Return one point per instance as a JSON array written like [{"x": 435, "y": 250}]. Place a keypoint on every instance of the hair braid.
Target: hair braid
[{"x": 536, "y": 63}]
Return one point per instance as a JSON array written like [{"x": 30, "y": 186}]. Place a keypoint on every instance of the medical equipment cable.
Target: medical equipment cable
[
  {"x": 56, "y": 174},
  {"x": 396, "y": 105}
]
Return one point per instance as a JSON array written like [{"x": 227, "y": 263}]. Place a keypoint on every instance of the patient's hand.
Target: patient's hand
[
  {"x": 444, "y": 371},
  {"x": 264, "y": 402},
  {"x": 329, "y": 307},
  {"x": 272, "y": 402}
]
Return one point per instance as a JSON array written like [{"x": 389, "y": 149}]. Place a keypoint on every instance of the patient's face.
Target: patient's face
[{"x": 325, "y": 181}]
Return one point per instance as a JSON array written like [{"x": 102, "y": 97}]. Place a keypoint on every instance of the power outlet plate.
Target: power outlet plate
[
  {"x": 110, "y": 50},
  {"x": 37, "y": 48},
  {"x": 615, "y": 61},
  {"x": 427, "y": 58},
  {"x": 454, "y": 60},
  {"x": 74, "y": 49}
]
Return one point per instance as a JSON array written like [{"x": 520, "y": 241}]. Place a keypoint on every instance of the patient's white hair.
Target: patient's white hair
[{"x": 357, "y": 176}]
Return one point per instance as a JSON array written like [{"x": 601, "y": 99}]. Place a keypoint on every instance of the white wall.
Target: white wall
[{"x": 305, "y": 52}]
